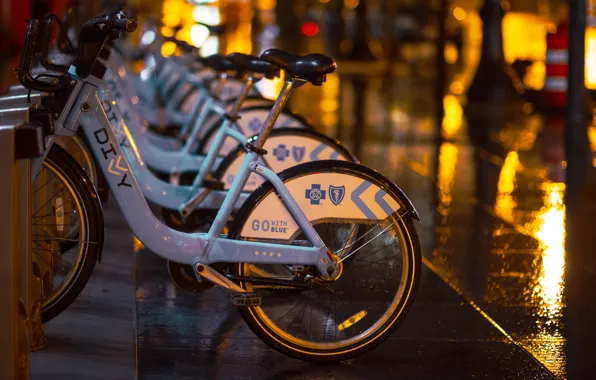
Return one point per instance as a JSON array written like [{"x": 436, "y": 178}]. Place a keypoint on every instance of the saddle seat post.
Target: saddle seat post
[
  {"x": 222, "y": 81},
  {"x": 207, "y": 165},
  {"x": 240, "y": 100},
  {"x": 280, "y": 102}
]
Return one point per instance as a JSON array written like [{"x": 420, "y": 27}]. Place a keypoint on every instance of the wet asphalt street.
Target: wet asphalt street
[
  {"x": 493, "y": 232},
  {"x": 507, "y": 289}
]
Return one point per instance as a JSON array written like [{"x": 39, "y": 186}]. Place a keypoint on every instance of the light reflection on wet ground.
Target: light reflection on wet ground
[
  {"x": 492, "y": 207},
  {"x": 493, "y": 215},
  {"x": 498, "y": 217}
]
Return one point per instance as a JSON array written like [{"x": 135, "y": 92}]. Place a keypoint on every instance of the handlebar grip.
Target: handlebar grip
[
  {"x": 128, "y": 25},
  {"x": 92, "y": 37}
]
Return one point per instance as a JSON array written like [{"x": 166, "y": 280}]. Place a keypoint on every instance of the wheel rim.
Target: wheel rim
[
  {"x": 77, "y": 149},
  {"x": 48, "y": 236},
  {"x": 352, "y": 335}
]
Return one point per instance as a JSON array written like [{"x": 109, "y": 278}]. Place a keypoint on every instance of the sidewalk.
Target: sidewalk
[
  {"x": 202, "y": 336},
  {"x": 94, "y": 338}
]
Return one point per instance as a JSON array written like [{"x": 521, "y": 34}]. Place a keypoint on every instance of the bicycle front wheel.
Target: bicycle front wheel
[
  {"x": 330, "y": 320},
  {"x": 67, "y": 230}
]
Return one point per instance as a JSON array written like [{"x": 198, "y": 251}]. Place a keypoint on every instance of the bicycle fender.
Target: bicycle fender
[
  {"x": 287, "y": 147},
  {"x": 325, "y": 191}
]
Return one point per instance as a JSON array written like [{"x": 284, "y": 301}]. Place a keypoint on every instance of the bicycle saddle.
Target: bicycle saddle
[
  {"x": 219, "y": 63},
  {"x": 312, "y": 67},
  {"x": 254, "y": 64}
]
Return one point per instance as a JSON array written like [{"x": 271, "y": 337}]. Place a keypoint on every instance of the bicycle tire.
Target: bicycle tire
[
  {"x": 272, "y": 336},
  {"x": 66, "y": 168}
]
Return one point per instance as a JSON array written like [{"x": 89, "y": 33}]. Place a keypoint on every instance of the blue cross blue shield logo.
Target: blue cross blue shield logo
[
  {"x": 255, "y": 125},
  {"x": 336, "y": 194},
  {"x": 315, "y": 194},
  {"x": 281, "y": 152},
  {"x": 298, "y": 152}
]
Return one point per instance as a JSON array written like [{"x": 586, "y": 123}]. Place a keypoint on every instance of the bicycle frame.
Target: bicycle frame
[
  {"x": 157, "y": 158},
  {"x": 84, "y": 109}
]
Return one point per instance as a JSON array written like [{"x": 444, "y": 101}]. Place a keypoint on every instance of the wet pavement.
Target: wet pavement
[
  {"x": 187, "y": 336},
  {"x": 504, "y": 294},
  {"x": 94, "y": 339},
  {"x": 493, "y": 237}
]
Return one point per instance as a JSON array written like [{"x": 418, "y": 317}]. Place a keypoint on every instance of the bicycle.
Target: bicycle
[
  {"x": 191, "y": 198},
  {"x": 279, "y": 224}
]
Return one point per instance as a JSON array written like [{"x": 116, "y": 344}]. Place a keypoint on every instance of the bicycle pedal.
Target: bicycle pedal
[{"x": 246, "y": 299}]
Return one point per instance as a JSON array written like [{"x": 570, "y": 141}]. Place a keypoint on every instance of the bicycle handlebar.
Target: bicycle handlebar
[
  {"x": 185, "y": 46},
  {"x": 67, "y": 48},
  {"x": 93, "y": 35},
  {"x": 24, "y": 70}
]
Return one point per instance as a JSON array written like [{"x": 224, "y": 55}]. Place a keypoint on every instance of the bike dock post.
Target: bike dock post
[{"x": 18, "y": 144}]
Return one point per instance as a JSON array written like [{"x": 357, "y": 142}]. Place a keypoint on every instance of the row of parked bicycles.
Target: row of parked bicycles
[{"x": 318, "y": 252}]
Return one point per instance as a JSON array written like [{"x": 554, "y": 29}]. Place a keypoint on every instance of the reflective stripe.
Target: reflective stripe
[
  {"x": 555, "y": 84},
  {"x": 558, "y": 56}
]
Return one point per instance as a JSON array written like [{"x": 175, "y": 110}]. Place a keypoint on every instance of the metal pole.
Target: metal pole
[
  {"x": 441, "y": 70},
  {"x": 24, "y": 258},
  {"x": 576, "y": 138},
  {"x": 491, "y": 83},
  {"x": 9, "y": 289},
  {"x": 37, "y": 260},
  {"x": 580, "y": 263},
  {"x": 17, "y": 146}
]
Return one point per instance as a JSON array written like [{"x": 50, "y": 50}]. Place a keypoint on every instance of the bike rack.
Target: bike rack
[{"x": 20, "y": 293}]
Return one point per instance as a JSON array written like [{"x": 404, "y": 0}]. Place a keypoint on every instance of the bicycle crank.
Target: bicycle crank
[
  {"x": 240, "y": 297},
  {"x": 184, "y": 277}
]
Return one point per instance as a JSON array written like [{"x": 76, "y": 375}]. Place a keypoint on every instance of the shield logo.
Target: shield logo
[
  {"x": 336, "y": 194},
  {"x": 298, "y": 152}
]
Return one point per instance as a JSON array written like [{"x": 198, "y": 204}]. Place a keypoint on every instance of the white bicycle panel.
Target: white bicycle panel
[
  {"x": 320, "y": 196},
  {"x": 284, "y": 152},
  {"x": 250, "y": 123}
]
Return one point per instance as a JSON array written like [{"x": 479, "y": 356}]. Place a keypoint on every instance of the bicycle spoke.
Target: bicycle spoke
[
  {"x": 378, "y": 250},
  {"x": 53, "y": 212},
  {"x": 56, "y": 224},
  {"x": 355, "y": 241},
  {"x": 43, "y": 249},
  {"x": 65, "y": 239},
  {"x": 48, "y": 201},
  {"x": 42, "y": 186},
  {"x": 363, "y": 245}
]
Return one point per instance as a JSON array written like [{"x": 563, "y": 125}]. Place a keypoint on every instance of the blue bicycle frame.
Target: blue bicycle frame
[{"x": 84, "y": 109}]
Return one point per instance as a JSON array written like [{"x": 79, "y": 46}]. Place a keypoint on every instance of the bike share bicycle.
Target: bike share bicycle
[
  {"x": 175, "y": 79},
  {"x": 165, "y": 195},
  {"x": 170, "y": 83},
  {"x": 356, "y": 303},
  {"x": 289, "y": 146},
  {"x": 304, "y": 145}
]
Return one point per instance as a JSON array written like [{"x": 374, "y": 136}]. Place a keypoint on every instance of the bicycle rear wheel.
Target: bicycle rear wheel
[
  {"x": 322, "y": 320},
  {"x": 67, "y": 230}
]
